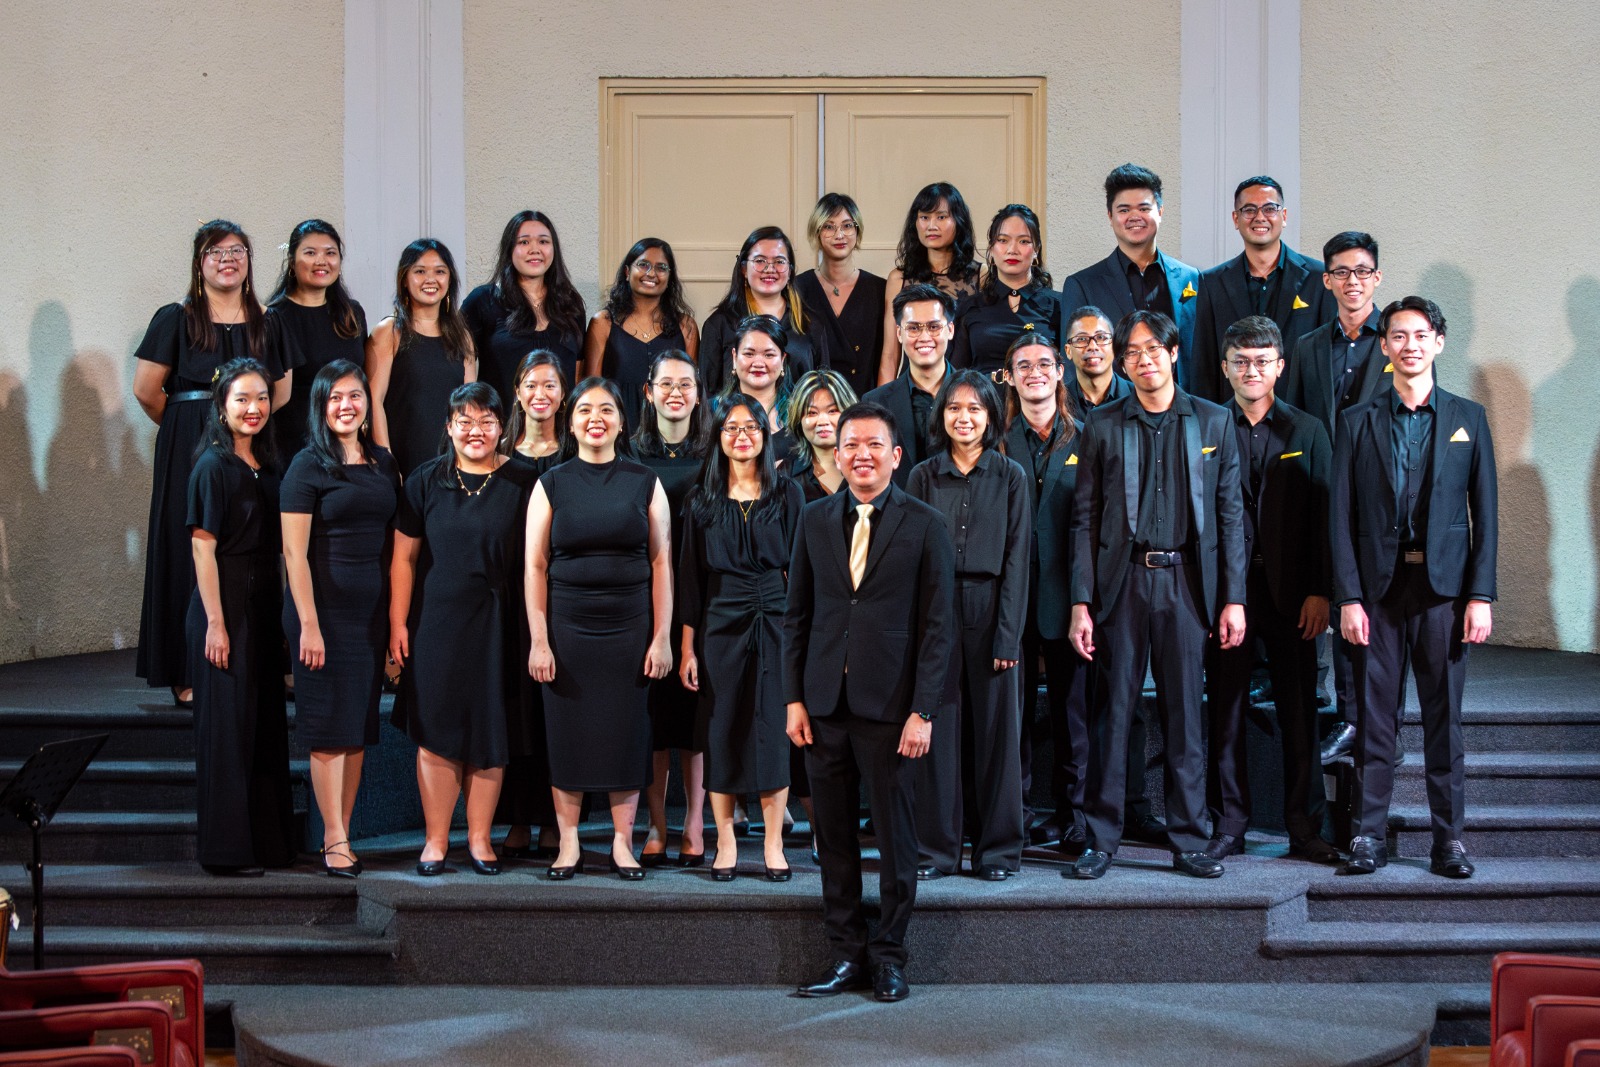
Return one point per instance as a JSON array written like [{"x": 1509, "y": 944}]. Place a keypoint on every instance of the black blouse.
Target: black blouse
[
  {"x": 303, "y": 340},
  {"x": 235, "y": 504},
  {"x": 855, "y": 335},
  {"x": 806, "y": 350},
  {"x": 986, "y": 326},
  {"x": 166, "y": 343}
]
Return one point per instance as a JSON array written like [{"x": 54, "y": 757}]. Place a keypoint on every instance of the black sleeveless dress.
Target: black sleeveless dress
[
  {"x": 303, "y": 340},
  {"x": 672, "y": 707},
  {"x": 500, "y": 349},
  {"x": 626, "y": 361},
  {"x": 418, "y": 399}
]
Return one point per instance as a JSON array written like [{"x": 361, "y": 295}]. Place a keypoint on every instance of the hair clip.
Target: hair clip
[
  {"x": 1027, "y": 326},
  {"x": 284, "y": 247}
]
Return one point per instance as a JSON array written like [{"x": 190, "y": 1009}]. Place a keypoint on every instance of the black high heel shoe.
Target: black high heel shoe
[
  {"x": 692, "y": 859},
  {"x": 563, "y": 874},
  {"x": 627, "y": 874},
  {"x": 351, "y": 870},
  {"x": 484, "y": 866},
  {"x": 779, "y": 874},
  {"x": 431, "y": 868},
  {"x": 652, "y": 860}
]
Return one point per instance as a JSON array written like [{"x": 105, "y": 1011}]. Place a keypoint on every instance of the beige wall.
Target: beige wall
[
  {"x": 127, "y": 124},
  {"x": 1466, "y": 143}
]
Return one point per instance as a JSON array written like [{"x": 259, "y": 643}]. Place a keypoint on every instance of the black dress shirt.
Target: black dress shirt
[
  {"x": 1256, "y": 443},
  {"x": 1264, "y": 291},
  {"x": 1163, "y": 522},
  {"x": 1148, "y": 287},
  {"x": 975, "y": 505},
  {"x": 1412, "y": 438},
  {"x": 1349, "y": 359},
  {"x": 921, "y": 410},
  {"x": 1120, "y": 387}
]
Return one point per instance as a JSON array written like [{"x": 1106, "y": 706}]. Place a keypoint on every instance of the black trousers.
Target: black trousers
[
  {"x": 972, "y": 771},
  {"x": 1157, "y": 621},
  {"x": 1292, "y": 662},
  {"x": 847, "y": 752},
  {"x": 1069, "y": 696},
  {"x": 1413, "y": 620}
]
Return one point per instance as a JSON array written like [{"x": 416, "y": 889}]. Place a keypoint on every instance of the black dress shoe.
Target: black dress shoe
[
  {"x": 928, "y": 872},
  {"x": 1366, "y": 856},
  {"x": 993, "y": 872},
  {"x": 627, "y": 874},
  {"x": 688, "y": 859},
  {"x": 652, "y": 860},
  {"x": 1197, "y": 865},
  {"x": 779, "y": 874},
  {"x": 1147, "y": 830},
  {"x": 1073, "y": 839},
  {"x": 889, "y": 983},
  {"x": 1045, "y": 833},
  {"x": 564, "y": 874},
  {"x": 1092, "y": 864},
  {"x": 484, "y": 866},
  {"x": 1339, "y": 744},
  {"x": 1222, "y": 846},
  {"x": 431, "y": 868},
  {"x": 1450, "y": 860},
  {"x": 841, "y": 978},
  {"x": 1315, "y": 850},
  {"x": 349, "y": 870}
]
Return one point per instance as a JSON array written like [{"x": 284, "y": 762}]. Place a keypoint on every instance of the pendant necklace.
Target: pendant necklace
[{"x": 473, "y": 492}]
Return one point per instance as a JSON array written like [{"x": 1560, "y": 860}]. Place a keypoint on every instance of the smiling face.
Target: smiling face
[
  {"x": 838, "y": 235},
  {"x": 1411, "y": 344},
  {"x": 1135, "y": 217},
  {"x": 539, "y": 393},
  {"x": 924, "y": 333},
  {"x": 475, "y": 432},
  {"x": 936, "y": 227},
  {"x": 672, "y": 391},
  {"x": 1353, "y": 293},
  {"x": 647, "y": 275},
  {"x": 867, "y": 456},
  {"x": 347, "y": 408},
  {"x": 965, "y": 417},
  {"x": 767, "y": 267},
  {"x": 225, "y": 265},
  {"x": 248, "y": 404},
  {"x": 819, "y": 423},
  {"x": 1266, "y": 205},
  {"x": 1148, "y": 363},
  {"x": 596, "y": 419},
  {"x": 1014, "y": 251},
  {"x": 316, "y": 262},
  {"x": 428, "y": 281},
  {"x": 534, "y": 249},
  {"x": 1089, "y": 344},
  {"x": 1036, "y": 372},
  {"x": 757, "y": 363},
  {"x": 742, "y": 439}
]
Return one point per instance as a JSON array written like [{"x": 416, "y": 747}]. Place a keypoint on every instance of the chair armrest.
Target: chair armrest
[
  {"x": 1583, "y": 1053},
  {"x": 101, "y": 1056},
  {"x": 111, "y": 982},
  {"x": 77, "y": 1024},
  {"x": 1556, "y": 1021},
  {"x": 1515, "y": 977}
]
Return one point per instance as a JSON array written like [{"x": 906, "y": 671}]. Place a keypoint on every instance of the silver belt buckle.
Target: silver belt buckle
[
  {"x": 1414, "y": 556},
  {"x": 1157, "y": 559}
]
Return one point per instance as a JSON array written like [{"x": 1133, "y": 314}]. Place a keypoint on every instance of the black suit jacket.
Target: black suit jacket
[
  {"x": 1052, "y": 526},
  {"x": 1292, "y": 534},
  {"x": 896, "y": 632},
  {"x": 1106, "y": 511},
  {"x": 896, "y": 396},
  {"x": 1463, "y": 520},
  {"x": 1303, "y": 304},
  {"x": 1105, "y": 285},
  {"x": 1309, "y": 384}
]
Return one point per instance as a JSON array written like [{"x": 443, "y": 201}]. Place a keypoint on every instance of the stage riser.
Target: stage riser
[
  {"x": 110, "y": 845},
  {"x": 1540, "y": 843},
  {"x": 1544, "y": 907},
  {"x": 1515, "y": 737},
  {"x": 195, "y": 911},
  {"x": 168, "y": 736},
  {"x": 1410, "y": 787},
  {"x": 255, "y": 970}
]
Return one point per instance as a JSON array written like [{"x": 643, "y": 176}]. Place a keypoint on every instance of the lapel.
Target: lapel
[
  {"x": 836, "y": 537},
  {"x": 1130, "y": 467},
  {"x": 1372, "y": 374},
  {"x": 1174, "y": 284},
  {"x": 1294, "y": 276},
  {"x": 883, "y": 532},
  {"x": 1113, "y": 296},
  {"x": 1319, "y": 376},
  {"x": 1445, "y": 415},
  {"x": 1233, "y": 273},
  {"x": 1197, "y": 472},
  {"x": 1056, "y": 465},
  {"x": 1380, "y": 424}
]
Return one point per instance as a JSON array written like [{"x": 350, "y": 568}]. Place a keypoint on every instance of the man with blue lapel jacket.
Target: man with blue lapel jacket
[
  {"x": 1137, "y": 276},
  {"x": 924, "y": 323},
  {"x": 1158, "y": 563},
  {"x": 1268, "y": 278},
  {"x": 869, "y": 637},
  {"x": 1414, "y": 539}
]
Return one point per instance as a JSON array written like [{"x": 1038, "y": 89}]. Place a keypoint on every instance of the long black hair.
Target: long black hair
[
  {"x": 647, "y": 440},
  {"x": 569, "y": 444},
  {"x": 197, "y": 305},
  {"x": 452, "y": 327},
  {"x": 672, "y": 309},
  {"x": 911, "y": 257},
  {"x": 740, "y": 303},
  {"x": 480, "y": 395},
  {"x": 829, "y": 381},
  {"x": 321, "y": 442},
  {"x": 563, "y": 305},
  {"x": 992, "y": 289},
  {"x": 341, "y": 307},
  {"x": 978, "y": 382},
  {"x": 217, "y": 433},
  {"x": 709, "y": 500},
  {"x": 1066, "y": 411},
  {"x": 517, "y": 424}
]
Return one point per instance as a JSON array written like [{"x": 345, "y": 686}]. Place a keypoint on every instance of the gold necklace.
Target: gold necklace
[
  {"x": 745, "y": 507},
  {"x": 473, "y": 492}
]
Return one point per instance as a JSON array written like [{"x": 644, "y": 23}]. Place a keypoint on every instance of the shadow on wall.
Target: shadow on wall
[
  {"x": 71, "y": 541},
  {"x": 1449, "y": 287},
  {"x": 1524, "y": 616}
]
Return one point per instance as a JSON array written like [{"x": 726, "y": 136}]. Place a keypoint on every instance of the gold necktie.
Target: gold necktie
[{"x": 858, "y": 544}]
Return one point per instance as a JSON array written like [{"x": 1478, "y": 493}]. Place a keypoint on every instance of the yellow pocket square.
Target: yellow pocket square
[
  {"x": 1388, "y": 368},
  {"x": 1188, "y": 291},
  {"x": 1459, "y": 435},
  {"x": 1206, "y": 450},
  {"x": 1072, "y": 460},
  {"x": 1298, "y": 304},
  {"x": 1291, "y": 455}
]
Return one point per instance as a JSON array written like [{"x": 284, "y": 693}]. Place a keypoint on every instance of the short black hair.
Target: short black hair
[
  {"x": 1420, "y": 304},
  {"x": 1253, "y": 331},
  {"x": 1163, "y": 328},
  {"x": 1348, "y": 241},
  {"x": 769, "y": 325},
  {"x": 979, "y": 383},
  {"x": 912, "y": 294},
  {"x": 1259, "y": 179},
  {"x": 867, "y": 409},
  {"x": 1132, "y": 176}
]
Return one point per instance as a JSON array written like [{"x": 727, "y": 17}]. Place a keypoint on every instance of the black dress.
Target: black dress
[
  {"x": 302, "y": 339},
  {"x": 855, "y": 335},
  {"x": 417, "y": 402},
  {"x": 243, "y": 805},
  {"x": 351, "y": 516},
  {"x": 626, "y": 360},
  {"x": 599, "y": 620},
  {"x": 163, "y": 658},
  {"x": 806, "y": 350},
  {"x": 672, "y": 707},
  {"x": 464, "y": 694},
  {"x": 986, "y": 325},
  {"x": 731, "y": 582},
  {"x": 500, "y": 348}
]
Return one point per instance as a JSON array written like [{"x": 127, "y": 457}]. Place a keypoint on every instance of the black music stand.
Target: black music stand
[{"x": 33, "y": 797}]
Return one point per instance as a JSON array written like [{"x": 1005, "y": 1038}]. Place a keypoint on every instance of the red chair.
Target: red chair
[
  {"x": 103, "y": 1056},
  {"x": 1536, "y": 999},
  {"x": 1583, "y": 1054},
  {"x": 144, "y": 1026}
]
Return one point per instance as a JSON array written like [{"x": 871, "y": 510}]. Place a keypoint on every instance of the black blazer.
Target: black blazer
[
  {"x": 1105, "y": 285},
  {"x": 1463, "y": 520},
  {"x": 896, "y": 396},
  {"x": 1310, "y": 384},
  {"x": 1303, "y": 304},
  {"x": 1292, "y": 535},
  {"x": 1105, "y": 513},
  {"x": 897, "y": 631},
  {"x": 1052, "y": 526}
]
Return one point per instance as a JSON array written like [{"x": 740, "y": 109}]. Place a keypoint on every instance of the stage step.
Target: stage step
[
  {"x": 183, "y": 895},
  {"x": 110, "y": 785},
  {"x": 137, "y": 732},
  {"x": 1539, "y": 830},
  {"x": 1536, "y": 890},
  {"x": 253, "y": 954},
  {"x": 1516, "y": 729},
  {"x": 1421, "y": 951},
  {"x": 1519, "y": 778},
  {"x": 109, "y": 837}
]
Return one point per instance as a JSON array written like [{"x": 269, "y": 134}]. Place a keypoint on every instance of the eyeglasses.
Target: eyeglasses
[
  {"x": 1025, "y": 366},
  {"x": 919, "y": 329},
  {"x": 1267, "y": 211},
  {"x": 1242, "y": 365},
  {"x": 1341, "y": 274},
  {"x": 647, "y": 268},
  {"x": 843, "y": 229},
  {"x": 777, "y": 263},
  {"x": 1138, "y": 355},
  {"x": 487, "y": 424},
  {"x": 1081, "y": 341},
  {"x": 746, "y": 429},
  {"x": 685, "y": 387},
  {"x": 225, "y": 254}
]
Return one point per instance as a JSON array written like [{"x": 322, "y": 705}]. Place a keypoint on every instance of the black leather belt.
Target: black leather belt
[
  {"x": 192, "y": 394},
  {"x": 1158, "y": 559}
]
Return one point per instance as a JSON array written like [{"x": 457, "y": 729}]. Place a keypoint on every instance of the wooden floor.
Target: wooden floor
[{"x": 1459, "y": 1056}]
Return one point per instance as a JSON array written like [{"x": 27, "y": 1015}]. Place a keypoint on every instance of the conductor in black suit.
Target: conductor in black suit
[
  {"x": 869, "y": 637},
  {"x": 1415, "y": 534},
  {"x": 1158, "y": 563},
  {"x": 1268, "y": 278},
  {"x": 924, "y": 323},
  {"x": 1284, "y": 463}
]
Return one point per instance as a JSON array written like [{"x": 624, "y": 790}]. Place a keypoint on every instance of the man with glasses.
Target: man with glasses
[
  {"x": 1268, "y": 278},
  {"x": 924, "y": 323},
  {"x": 1158, "y": 563},
  {"x": 1415, "y": 534},
  {"x": 1136, "y": 276},
  {"x": 1095, "y": 380},
  {"x": 1284, "y": 460}
]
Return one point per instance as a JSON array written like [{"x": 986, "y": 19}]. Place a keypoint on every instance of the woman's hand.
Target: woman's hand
[
  {"x": 313, "y": 653},
  {"x": 542, "y": 664},
  {"x": 658, "y": 661},
  {"x": 399, "y": 645},
  {"x": 217, "y": 645},
  {"x": 689, "y": 672}
]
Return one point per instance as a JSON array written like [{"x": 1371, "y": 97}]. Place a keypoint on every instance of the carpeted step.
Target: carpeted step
[
  {"x": 1571, "y": 830},
  {"x": 147, "y": 732},
  {"x": 183, "y": 895},
  {"x": 248, "y": 954},
  {"x": 1503, "y": 890},
  {"x": 1517, "y": 778},
  {"x": 137, "y": 784},
  {"x": 1515, "y": 729},
  {"x": 109, "y": 837},
  {"x": 1422, "y": 951}
]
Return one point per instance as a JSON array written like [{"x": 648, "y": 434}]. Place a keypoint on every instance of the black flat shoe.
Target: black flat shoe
[
  {"x": 1222, "y": 846},
  {"x": 431, "y": 868},
  {"x": 484, "y": 866},
  {"x": 1450, "y": 860},
  {"x": 652, "y": 860},
  {"x": 691, "y": 859},
  {"x": 889, "y": 983},
  {"x": 564, "y": 874},
  {"x": 928, "y": 872},
  {"x": 993, "y": 872},
  {"x": 351, "y": 870},
  {"x": 779, "y": 874},
  {"x": 1367, "y": 854},
  {"x": 627, "y": 874},
  {"x": 1092, "y": 864}
]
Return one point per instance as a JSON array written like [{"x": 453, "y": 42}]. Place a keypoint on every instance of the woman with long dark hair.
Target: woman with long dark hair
[
  {"x": 455, "y": 624},
  {"x": 244, "y": 810},
  {"x": 529, "y": 303},
  {"x": 219, "y": 320},
  {"x": 644, "y": 316},
  {"x": 419, "y": 355},
  {"x": 338, "y": 503},
  {"x": 844, "y": 299},
  {"x": 1016, "y": 294},
  {"x": 761, "y": 371},
  {"x": 937, "y": 247},
  {"x": 983, "y": 497},
  {"x": 813, "y": 420},
  {"x": 738, "y": 531},
  {"x": 537, "y": 429},
  {"x": 311, "y": 321},
  {"x": 599, "y": 591},
  {"x": 670, "y": 441},
  {"x": 761, "y": 285}
]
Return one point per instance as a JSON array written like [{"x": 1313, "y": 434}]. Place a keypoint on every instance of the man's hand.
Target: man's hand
[
  {"x": 1313, "y": 617},
  {"x": 1230, "y": 626},
  {"x": 1478, "y": 624},
  {"x": 799, "y": 729},
  {"x": 1353, "y": 624},
  {"x": 916, "y": 737},
  {"x": 1080, "y": 631}
]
